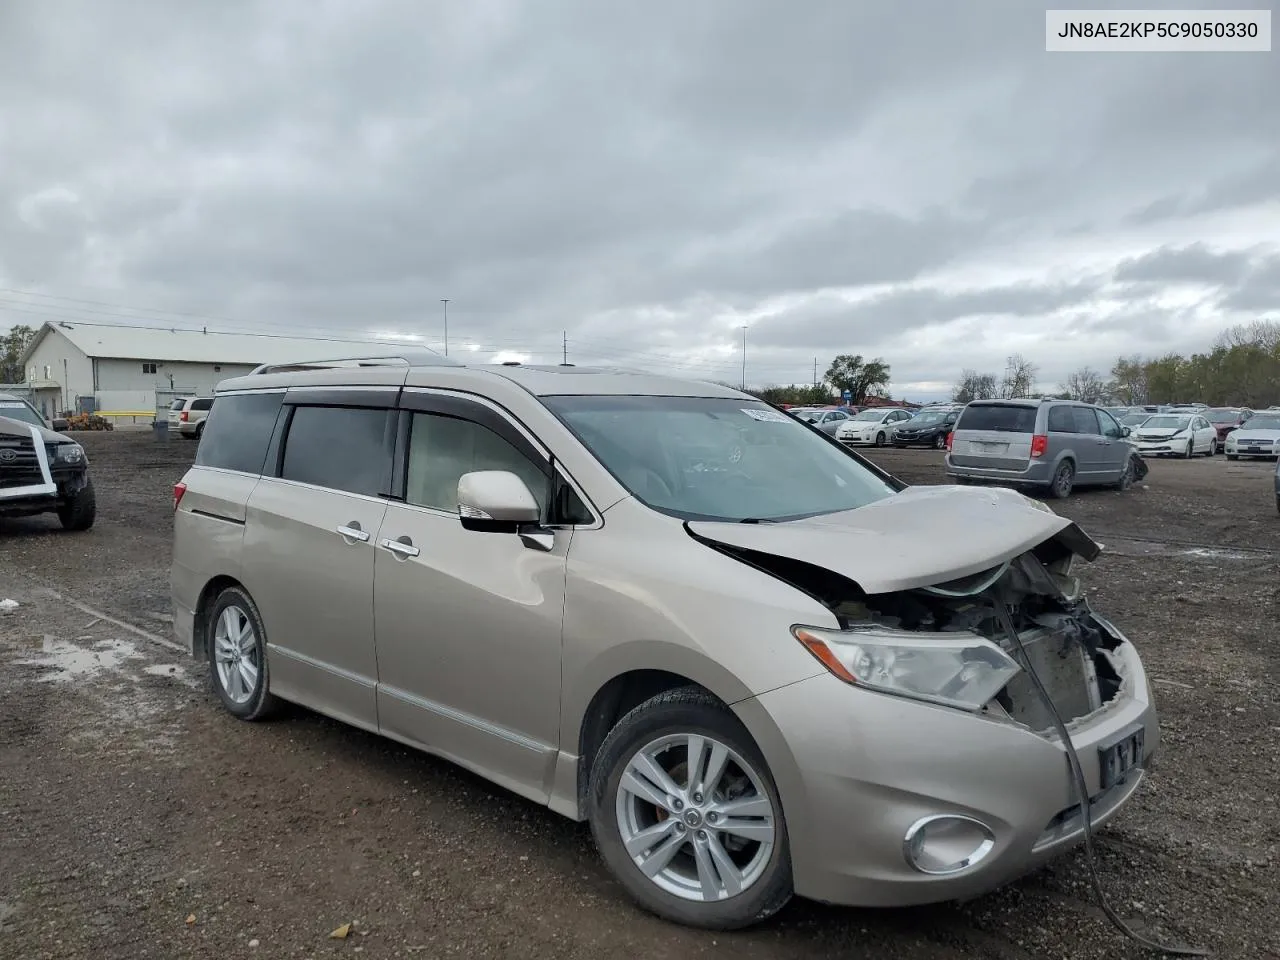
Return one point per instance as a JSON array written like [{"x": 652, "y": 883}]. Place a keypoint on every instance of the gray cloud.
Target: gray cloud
[
  {"x": 1260, "y": 289},
  {"x": 634, "y": 176},
  {"x": 1195, "y": 263}
]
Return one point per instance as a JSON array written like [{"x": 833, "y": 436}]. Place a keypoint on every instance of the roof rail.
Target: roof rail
[{"x": 408, "y": 356}]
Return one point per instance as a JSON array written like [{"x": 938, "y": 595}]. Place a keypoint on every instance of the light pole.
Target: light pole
[
  {"x": 744, "y": 358},
  {"x": 445, "y": 307}
]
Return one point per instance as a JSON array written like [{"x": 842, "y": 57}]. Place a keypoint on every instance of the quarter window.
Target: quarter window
[
  {"x": 442, "y": 449},
  {"x": 237, "y": 431},
  {"x": 341, "y": 448}
]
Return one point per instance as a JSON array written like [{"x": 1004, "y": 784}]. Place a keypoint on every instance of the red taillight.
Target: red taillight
[
  {"x": 949, "y": 436},
  {"x": 1039, "y": 444},
  {"x": 184, "y": 416},
  {"x": 178, "y": 490}
]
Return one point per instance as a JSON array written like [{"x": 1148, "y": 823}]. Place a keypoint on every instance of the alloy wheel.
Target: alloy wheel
[
  {"x": 695, "y": 817},
  {"x": 235, "y": 655}
]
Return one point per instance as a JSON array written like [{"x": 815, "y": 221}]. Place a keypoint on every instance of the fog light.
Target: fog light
[{"x": 943, "y": 845}]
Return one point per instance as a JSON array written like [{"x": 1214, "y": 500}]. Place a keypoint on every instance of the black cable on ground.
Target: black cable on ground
[{"x": 1081, "y": 789}]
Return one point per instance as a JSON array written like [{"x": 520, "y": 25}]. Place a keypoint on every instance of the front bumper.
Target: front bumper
[
  {"x": 1163, "y": 448},
  {"x": 856, "y": 769},
  {"x": 927, "y": 440},
  {"x": 1265, "y": 452}
]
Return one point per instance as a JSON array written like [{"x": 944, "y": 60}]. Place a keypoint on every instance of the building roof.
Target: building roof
[{"x": 194, "y": 346}]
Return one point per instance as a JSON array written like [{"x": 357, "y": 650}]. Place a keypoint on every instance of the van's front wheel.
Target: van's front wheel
[{"x": 686, "y": 815}]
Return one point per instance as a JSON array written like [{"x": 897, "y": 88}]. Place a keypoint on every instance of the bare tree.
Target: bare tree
[
  {"x": 1264, "y": 334},
  {"x": 1085, "y": 384},
  {"x": 1019, "y": 377},
  {"x": 973, "y": 385}
]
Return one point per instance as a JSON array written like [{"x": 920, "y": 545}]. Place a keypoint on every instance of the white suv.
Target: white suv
[{"x": 187, "y": 416}]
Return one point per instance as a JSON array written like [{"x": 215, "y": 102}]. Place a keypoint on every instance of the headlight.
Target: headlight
[
  {"x": 68, "y": 453},
  {"x": 952, "y": 669}
]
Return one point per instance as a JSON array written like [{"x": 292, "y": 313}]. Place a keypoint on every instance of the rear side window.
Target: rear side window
[
  {"x": 1061, "y": 420},
  {"x": 177, "y": 404},
  {"x": 237, "y": 431},
  {"x": 1004, "y": 418},
  {"x": 201, "y": 404},
  {"x": 1086, "y": 420},
  {"x": 340, "y": 448}
]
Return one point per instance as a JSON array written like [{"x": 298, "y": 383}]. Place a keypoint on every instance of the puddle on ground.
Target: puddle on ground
[
  {"x": 172, "y": 671},
  {"x": 67, "y": 662}
]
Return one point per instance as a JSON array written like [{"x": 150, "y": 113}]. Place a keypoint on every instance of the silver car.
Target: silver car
[
  {"x": 757, "y": 664},
  {"x": 1054, "y": 445}
]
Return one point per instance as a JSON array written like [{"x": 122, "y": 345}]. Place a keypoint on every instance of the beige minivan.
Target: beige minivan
[{"x": 756, "y": 663}]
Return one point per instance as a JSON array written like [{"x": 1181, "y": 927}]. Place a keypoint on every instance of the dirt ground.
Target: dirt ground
[{"x": 138, "y": 819}]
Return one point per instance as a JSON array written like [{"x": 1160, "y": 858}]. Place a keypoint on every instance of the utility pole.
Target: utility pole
[
  {"x": 564, "y": 347},
  {"x": 815, "y": 373},
  {"x": 744, "y": 358},
  {"x": 446, "y": 325}
]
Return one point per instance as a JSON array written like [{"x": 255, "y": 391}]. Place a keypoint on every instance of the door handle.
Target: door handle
[
  {"x": 403, "y": 548},
  {"x": 352, "y": 531}
]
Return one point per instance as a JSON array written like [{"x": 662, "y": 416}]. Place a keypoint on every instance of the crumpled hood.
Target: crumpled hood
[
  {"x": 1163, "y": 434},
  {"x": 915, "y": 538}
]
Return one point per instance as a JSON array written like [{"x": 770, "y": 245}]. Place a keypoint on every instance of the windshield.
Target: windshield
[
  {"x": 808, "y": 416},
  {"x": 869, "y": 415},
  {"x": 924, "y": 419},
  {"x": 1167, "y": 423},
  {"x": 1262, "y": 423},
  {"x": 1222, "y": 416},
  {"x": 17, "y": 410},
  {"x": 1134, "y": 419},
  {"x": 703, "y": 458}
]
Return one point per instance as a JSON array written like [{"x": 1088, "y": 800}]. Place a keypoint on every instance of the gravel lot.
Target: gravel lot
[{"x": 137, "y": 819}]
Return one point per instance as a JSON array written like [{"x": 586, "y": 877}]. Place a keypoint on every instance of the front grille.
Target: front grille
[{"x": 19, "y": 465}]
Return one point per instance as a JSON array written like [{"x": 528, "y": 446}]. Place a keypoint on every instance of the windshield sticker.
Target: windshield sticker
[
  {"x": 765, "y": 416},
  {"x": 12, "y": 405}
]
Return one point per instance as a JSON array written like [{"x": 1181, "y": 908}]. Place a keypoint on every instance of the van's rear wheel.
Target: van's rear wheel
[
  {"x": 686, "y": 815},
  {"x": 237, "y": 645},
  {"x": 1063, "y": 480}
]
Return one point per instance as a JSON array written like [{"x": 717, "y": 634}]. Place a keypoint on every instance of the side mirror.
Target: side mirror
[
  {"x": 1125, "y": 431},
  {"x": 495, "y": 497}
]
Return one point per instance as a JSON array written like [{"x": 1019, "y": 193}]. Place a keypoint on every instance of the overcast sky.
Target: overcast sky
[{"x": 913, "y": 180}]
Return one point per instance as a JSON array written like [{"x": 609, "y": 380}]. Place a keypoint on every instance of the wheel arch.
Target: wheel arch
[
  {"x": 618, "y": 686},
  {"x": 209, "y": 594}
]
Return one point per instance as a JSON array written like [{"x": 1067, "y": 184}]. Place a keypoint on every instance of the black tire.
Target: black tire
[
  {"x": 199, "y": 430},
  {"x": 880, "y": 439},
  {"x": 694, "y": 711},
  {"x": 1063, "y": 480},
  {"x": 1126, "y": 478},
  {"x": 1191, "y": 449},
  {"x": 260, "y": 704},
  {"x": 80, "y": 509},
  {"x": 940, "y": 442}
]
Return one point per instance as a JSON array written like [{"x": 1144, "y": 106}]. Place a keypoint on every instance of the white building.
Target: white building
[{"x": 129, "y": 368}]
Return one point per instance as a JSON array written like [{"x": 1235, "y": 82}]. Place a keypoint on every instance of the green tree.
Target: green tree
[
  {"x": 12, "y": 346},
  {"x": 860, "y": 377},
  {"x": 1129, "y": 380}
]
